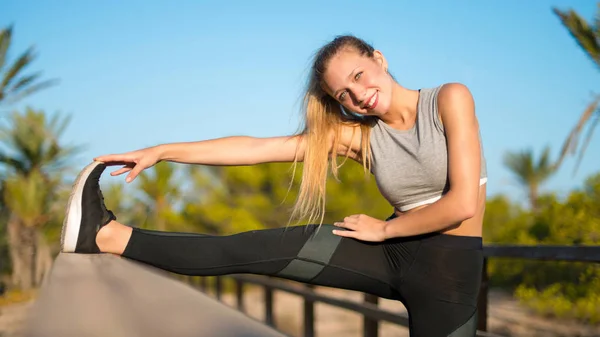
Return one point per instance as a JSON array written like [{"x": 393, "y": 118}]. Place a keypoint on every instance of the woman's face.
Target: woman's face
[{"x": 361, "y": 84}]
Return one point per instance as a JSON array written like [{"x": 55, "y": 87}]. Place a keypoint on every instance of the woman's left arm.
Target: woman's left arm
[{"x": 457, "y": 110}]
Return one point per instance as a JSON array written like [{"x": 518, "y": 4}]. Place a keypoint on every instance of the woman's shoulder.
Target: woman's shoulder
[
  {"x": 455, "y": 105},
  {"x": 449, "y": 93}
]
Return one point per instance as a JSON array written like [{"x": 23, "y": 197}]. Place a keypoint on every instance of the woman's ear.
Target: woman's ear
[{"x": 380, "y": 59}]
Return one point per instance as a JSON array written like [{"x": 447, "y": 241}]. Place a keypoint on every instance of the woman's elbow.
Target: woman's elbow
[
  {"x": 466, "y": 206},
  {"x": 468, "y": 212}
]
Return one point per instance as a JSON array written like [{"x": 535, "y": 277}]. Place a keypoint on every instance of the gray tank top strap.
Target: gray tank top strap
[{"x": 428, "y": 108}]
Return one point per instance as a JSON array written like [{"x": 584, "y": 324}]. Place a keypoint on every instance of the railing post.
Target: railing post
[
  {"x": 269, "y": 319},
  {"x": 239, "y": 289},
  {"x": 309, "y": 316},
  {"x": 203, "y": 283},
  {"x": 483, "y": 298},
  {"x": 218, "y": 287},
  {"x": 370, "y": 326}
]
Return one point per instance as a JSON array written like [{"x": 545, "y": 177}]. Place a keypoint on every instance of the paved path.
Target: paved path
[{"x": 106, "y": 295}]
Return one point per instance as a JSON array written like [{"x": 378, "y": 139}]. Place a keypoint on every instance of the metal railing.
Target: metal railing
[{"x": 369, "y": 309}]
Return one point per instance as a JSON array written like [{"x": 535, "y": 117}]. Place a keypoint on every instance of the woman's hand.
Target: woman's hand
[
  {"x": 134, "y": 162},
  {"x": 362, "y": 227}
]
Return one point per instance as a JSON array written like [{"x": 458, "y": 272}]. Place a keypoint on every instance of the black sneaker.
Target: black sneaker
[{"x": 85, "y": 213}]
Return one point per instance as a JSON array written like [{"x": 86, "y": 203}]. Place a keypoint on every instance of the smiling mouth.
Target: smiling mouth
[{"x": 372, "y": 103}]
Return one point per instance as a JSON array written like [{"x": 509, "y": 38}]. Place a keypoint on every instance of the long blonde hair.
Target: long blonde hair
[{"x": 324, "y": 118}]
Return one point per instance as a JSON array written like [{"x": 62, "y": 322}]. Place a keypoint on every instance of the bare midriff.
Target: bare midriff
[{"x": 470, "y": 227}]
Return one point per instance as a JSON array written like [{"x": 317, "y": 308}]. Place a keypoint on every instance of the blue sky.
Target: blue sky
[{"x": 140, "y": 73}]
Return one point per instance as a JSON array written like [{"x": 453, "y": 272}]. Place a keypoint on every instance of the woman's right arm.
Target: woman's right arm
[
  {"x": 234, "y": 151},
  {"x": 245, "y": 150},
  {"x": 227, "y": 151}
]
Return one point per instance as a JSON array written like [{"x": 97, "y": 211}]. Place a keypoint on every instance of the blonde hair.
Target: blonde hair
[{"x": 324, "y": 117}]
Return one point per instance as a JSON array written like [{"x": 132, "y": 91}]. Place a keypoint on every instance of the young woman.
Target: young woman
[{"x": 423, "y": 148}]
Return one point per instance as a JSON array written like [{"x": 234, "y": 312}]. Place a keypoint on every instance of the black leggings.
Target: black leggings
[{"x": 435, "y": 276}]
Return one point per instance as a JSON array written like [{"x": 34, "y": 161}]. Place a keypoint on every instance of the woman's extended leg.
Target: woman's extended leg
[{"x": 309, "y": 254}]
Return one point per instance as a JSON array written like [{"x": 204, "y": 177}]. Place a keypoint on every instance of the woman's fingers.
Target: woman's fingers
[
  {"x": 133, "y": 162},
  {"x": 346, "y": 224},
  {"x": 121, "y": 171},
  {"x": 138, "y": 167},
  {"x": 134, "y": 172},
  {"x": 117, "y": 159}
]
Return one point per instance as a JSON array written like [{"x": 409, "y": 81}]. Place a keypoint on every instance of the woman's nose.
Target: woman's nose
[{"x": 359, "y": 95}]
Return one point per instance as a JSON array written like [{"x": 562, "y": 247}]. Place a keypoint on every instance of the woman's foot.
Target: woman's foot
[
  {"x": 85, "y": 213},
  {"x": 113, "y": 238}
]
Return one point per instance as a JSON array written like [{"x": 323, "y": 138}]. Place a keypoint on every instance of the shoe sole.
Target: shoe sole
[{"x": 72, "y": 221}]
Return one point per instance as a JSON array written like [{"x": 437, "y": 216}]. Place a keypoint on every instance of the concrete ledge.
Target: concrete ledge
[{"x": 106, "y": 295}]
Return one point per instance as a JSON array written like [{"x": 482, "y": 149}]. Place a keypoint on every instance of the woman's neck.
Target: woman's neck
[{"x": 403, "y": 108}]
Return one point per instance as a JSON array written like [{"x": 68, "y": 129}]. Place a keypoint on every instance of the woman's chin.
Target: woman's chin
[{"x": 376, "y": 113}]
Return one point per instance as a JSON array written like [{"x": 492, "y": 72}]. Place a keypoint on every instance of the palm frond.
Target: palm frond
[
  {"x": 14, "y": 85},
  {"x": 23, "y": 82},
  {"x": 526, "y": 169},
  {"x": 59, "y": 123},
  {"x": 584, "y": 34},
  {"x": 14, "y": 96},
  {"x": 586, "y": 142},
  {"x": 23, "y": 61},
  {"x": 570, "y": 144},
  {"x": 12, "y": 163},
  {"x": 5, "y": 37},
  {"x": 34, "y": 142},
  {"x": 597, "y": 20},
  {"x": 520, "y": 164}
]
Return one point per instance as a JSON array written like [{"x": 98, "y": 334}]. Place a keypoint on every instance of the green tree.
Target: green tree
[
  {"x": 34, "y": 163},
  {"x": 503, "y": 219},
  {"x": 530, "y": 174},
  {"x": 159, "y": 194},
  {"x": 5, "y": 266},
  {"x": 28, "y": 198},
  {"x": 14, "y": 84},
  {"x": 587, "y": 37},
  {"x": 227, "y": 200},
  {"x": 231, "y": 199},
  {"x": 559, "y": 289},
  {"x": 566, "y": 289}
]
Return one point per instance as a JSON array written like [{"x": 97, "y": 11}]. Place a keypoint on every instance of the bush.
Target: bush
[{"x": 552, "y": 288}]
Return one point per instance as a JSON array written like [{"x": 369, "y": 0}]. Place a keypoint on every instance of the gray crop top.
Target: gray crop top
[{"x": 411, "y": 166}]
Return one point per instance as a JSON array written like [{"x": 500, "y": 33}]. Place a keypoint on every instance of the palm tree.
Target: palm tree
[
  {"x": 33, "y": 142},
  {"x": 529, "y": 173},
  {"x": 14, "y": 84},
  {"x": 33, "y": 168},
  {"x": 587, "y": 37},
  {"x": 28, "y": 198},
  {"x": 5, "y": 264}
]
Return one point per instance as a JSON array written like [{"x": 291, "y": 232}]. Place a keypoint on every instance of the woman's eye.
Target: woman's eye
[{"x": 357, "y": 76}]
